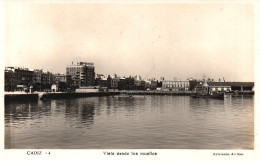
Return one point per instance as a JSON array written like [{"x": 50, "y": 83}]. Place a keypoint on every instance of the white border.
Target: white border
[{"x": 168, "y": 154}]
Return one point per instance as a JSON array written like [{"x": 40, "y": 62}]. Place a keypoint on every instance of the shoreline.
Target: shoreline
[{"x": 22, "y": 96}]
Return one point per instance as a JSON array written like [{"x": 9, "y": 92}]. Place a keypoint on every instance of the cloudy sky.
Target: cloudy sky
[{"x": 152, "y": 40}]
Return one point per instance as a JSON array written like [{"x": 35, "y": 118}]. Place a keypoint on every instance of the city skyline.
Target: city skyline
[
  {"x": 115, "y": 75},
  {"x": 134, "y": 39}
]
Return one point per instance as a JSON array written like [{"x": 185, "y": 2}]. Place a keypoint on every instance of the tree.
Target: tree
[
  {"x": 48, "y": 86},
  {"x": 37, "y": 86},
  {"x": 62, "y": 86},
  {"x": 43, "y": 86}
]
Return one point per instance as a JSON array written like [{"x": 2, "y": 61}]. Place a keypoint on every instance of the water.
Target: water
[{"x": 138, "y": 122}]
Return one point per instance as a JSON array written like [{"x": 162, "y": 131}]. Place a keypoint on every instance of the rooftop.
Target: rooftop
[{"x": 244, "y": 84}]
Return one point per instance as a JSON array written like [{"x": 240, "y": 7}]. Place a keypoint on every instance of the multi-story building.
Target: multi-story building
[
  {"x": 82, "y": 73},
  {"x": 10, "y": 81},
  {"x": 47, "y": 78},
  {"x": 114, "y": 82},
  {"x": 59, "y": 78},
  {"x": 50, "y": 78},
  {"x": 90, "y": 74},
  {"x": 17, "y": 76},
  {"x": 37, "y": 75},
  {"x": 175, "y": 85},
  {"x": 126, "y": 84}
]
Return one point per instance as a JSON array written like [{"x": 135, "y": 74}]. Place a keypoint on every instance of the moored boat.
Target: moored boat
[{"x": 204, "y": 91}]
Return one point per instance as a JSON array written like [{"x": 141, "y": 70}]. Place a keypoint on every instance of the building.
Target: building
[
  {"x": 101, "y": 80},
  {"x": 114, "y": 83},
  {"x": 81, "y": 74},
  {"x": 235, "y": 86},
  {"x": 15, "y": 76},
  {"x": 92, "y": 89},
  {"x": 147, "y": 85},
  {"x": 206, "y": 88},
  {"x": 10, "y": 81},
  {"x": 126, "y": 84},
  {"x": 54, "y": 88},
  {"x": 193, "y": 83},
  {"x": 154, "y": 84},
  {"x": 214, "y": 87},
  {"x": 59, "y": 78},
  {"x": 174, "y": 85},
  {"x": 161, "y": 79},
  {"x": 47, "y": 78},
  {"x": 109, "y": 82},
  {"x": 37, "y": 76},
  {"x": 90, "y": 75}
]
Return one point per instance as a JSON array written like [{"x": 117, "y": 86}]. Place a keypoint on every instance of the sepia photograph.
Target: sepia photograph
[{"x": 140, "y": 76}]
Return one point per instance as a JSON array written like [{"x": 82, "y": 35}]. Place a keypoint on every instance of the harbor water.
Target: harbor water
[{"x": 137, "y": 122}]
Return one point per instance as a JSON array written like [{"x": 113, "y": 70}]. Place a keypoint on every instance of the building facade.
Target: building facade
[
  {"x": 37, "y": 75},
  {"x": 15, "y": 76},
  {"x": 81, "y": 73},
  {"x": 235, "y": 86},
  {"x": 114, "y": 82},
  {"x": 47, "y": 78},
  {"x": 59, "y": 78},
  {"x": 126, "y": 84},
  {"x": 169, "y": 85}
]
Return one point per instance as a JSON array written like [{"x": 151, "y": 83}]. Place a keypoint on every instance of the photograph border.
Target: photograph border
[{"x": 163, "y": 154}]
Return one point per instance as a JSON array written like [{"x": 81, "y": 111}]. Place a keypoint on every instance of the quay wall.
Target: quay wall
[
  {"x": 21, "y": 97},
  {"x": 77, "y": 95},
  {"x": 36, "y": 96},
  {"x": 181, "y": 93}
]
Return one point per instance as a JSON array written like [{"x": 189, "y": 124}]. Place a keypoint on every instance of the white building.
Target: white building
[{"x": 169, "y": 85}]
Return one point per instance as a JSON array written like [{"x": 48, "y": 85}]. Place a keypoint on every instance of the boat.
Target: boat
[
  {"x": 204, "y": 92},
  {"x": 236, "y": 94}
]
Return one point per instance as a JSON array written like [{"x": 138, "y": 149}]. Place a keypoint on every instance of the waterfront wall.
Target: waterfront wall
[
  {"x": 77, "y": 95},
  {"x": 187, "y": 93},
  {"x": 36, "y": 96},
  {"x": 21, "y": 97}
]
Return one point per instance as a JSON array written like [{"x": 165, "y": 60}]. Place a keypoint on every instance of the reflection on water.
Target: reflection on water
[{"x": 145, "y": 122}]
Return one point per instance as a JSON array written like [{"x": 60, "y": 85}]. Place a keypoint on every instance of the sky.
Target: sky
[{"x": 151, "y": 40}]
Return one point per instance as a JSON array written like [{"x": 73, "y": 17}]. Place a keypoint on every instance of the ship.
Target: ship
[{"x": 205, "y": 92}]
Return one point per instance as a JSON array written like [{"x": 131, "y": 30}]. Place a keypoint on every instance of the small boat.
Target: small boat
[{"x": 236, "y": 94}]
